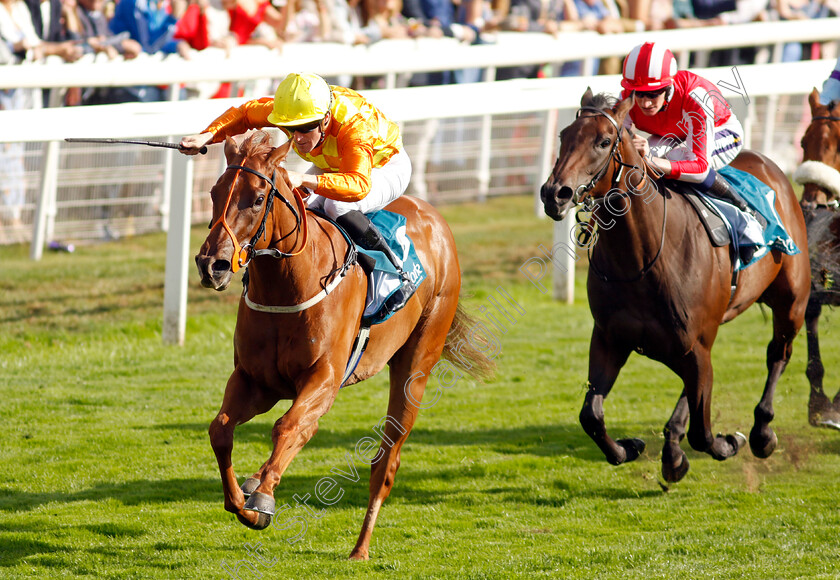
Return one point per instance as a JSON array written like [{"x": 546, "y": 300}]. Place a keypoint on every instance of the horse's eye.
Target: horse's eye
[
  {"x": 259, "y": 201},
  {"x": 604, "y": 144}
]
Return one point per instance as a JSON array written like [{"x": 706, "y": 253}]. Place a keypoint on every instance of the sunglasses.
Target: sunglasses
[
  {"x": 651, "y": 94},
  {"x": 303, "y": 129}
]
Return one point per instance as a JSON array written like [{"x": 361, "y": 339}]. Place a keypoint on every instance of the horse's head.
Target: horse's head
[
  {"x": 242, "y": 209},
  {"x": 587, "y": 147},
  {"x": 820, "y": 169}
]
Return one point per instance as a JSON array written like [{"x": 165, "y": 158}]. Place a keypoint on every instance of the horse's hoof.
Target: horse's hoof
[
  {"x": 261, "y": 523},
  {"x": 632, "y": 448},
  {"x": 674, "y": 472},
  {"x": 359, "y": 555},
  {"x": 249, "y": 486},
  {"x": 763, "y": 444},
  {"x": 828, "y": 418},
  {"x": 737, "y": 441},
  {"x": 260, "y": 502},
  {"x": 829, "y": 424}
]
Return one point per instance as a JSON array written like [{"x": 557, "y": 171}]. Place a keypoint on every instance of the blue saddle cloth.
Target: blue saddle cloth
[
  {"x": 384, "y": 280},
  {"x": 762, "y": 198}
]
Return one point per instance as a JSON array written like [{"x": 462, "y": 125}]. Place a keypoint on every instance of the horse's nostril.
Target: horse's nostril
[
  {"x": 221, "y": 266},
  {"x": 564, "y": 192}
]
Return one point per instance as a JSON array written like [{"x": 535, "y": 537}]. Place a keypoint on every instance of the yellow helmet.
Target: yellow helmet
[{"x": 301, "y": 99}]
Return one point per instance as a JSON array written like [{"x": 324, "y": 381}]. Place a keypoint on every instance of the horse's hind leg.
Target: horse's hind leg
[
  {"x": 242, "y": 401},
  {"x": 409, "y": 369},
  {"x": 821, "y": 412},
  {"x": 696, "y": 372},
  {"x": 605, "y": 362},
  {"x": 674, "y": 460}
]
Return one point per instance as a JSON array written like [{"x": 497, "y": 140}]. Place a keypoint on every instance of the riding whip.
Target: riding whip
[{"x": 203, "y": 150}]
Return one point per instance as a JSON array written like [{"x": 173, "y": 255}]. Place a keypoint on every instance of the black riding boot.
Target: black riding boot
[
  {"x": 362, "y": 231},
  {"x": 721, "y": 189}
]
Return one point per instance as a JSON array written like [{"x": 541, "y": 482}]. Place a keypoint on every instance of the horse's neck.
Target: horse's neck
[
  {"x": 631, "y": 222},
  {"x": 294, "y": 279}
]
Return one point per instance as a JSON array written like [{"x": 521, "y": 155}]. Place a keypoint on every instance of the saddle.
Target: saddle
[
  {"x": 712, "y": 222},
  {"x": 709, "y": 217}
]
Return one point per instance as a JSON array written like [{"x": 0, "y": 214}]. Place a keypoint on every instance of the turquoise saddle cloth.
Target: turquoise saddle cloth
[
  {"x": 384, "y": 280},
  {"x": 762, "y": 198}
]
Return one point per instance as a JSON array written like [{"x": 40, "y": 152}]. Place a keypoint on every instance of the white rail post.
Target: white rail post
[
  {"x": 46, "y": 201},
  {"x": 563, "y": 262},
  {"x": 166, "y": 186},
  {"x": 484, "y": 158},
  {"x": 177, "y": 252},
  {"x": 484, "y": 155}
]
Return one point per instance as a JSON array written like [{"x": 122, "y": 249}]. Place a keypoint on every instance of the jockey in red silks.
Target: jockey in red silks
[{"x": 693, "y": 130}]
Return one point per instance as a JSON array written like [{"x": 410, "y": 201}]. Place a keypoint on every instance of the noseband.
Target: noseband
[{"x": 242, "y": 255}]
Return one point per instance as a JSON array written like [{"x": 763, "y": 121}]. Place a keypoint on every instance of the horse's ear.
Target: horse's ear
[
  {"x": 279, "y": 154},
  {"x": 622, "y": 108},
  {"x": 587, "y": 97},
  {"x": 814, "y": 101},
  {"x": 231, "y": 149}
]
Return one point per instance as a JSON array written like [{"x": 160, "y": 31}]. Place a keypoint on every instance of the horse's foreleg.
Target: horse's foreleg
[
  {"x": 241, "y": 402},
  {"x": 674, "y": 461},
  {"x": 821, "y": 412},
  {"x": 410, "y": 370},
  {"x": 291, "y": 432},
  {"x": 605, "y": 362},
  {"x": 697, "y": 375}
]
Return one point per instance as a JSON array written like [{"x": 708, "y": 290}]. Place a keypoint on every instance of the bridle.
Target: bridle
[
  {"x": 582, "y": 190},
  {"x": 590, "y": 204},
  {"x": 242, "y": 255}
]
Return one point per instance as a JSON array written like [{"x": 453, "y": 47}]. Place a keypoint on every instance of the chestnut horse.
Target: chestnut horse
[
  {"x": 300, "y": 350},
  {"x": 820, "y": 176},
  {"x": 657, "y": 286}
]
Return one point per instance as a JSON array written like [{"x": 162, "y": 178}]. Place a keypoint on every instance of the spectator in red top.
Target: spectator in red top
[
  {"x": 693, "y": 131},
  {"x": 247, "y": 15}
]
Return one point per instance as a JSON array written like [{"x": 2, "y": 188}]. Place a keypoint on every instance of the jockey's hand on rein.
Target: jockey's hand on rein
[{"x": 641, "y": 145}]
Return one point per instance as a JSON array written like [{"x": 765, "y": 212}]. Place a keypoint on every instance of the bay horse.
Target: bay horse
[
  {"x": 657, "y": 286},
  {"x": 820, "y": 176},
  {"x": 299, "y": 316}
]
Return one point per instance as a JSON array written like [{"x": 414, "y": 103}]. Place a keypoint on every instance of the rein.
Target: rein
[{"x": 591, "y": 204}]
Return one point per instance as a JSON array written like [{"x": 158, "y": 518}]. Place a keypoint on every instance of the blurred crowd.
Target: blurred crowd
[
  {"x": 69, "y": 29},
  {"x": 31, "y": 30}
]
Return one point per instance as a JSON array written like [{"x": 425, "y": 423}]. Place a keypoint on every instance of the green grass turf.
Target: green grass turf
[{"x": 107, "y": 471}]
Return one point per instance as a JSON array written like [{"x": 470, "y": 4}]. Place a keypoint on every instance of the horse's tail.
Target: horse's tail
[{"x": 465, "y": 348}]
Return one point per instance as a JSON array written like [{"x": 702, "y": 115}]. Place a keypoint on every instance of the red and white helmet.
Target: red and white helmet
[{"x": 648, "y": 67}]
